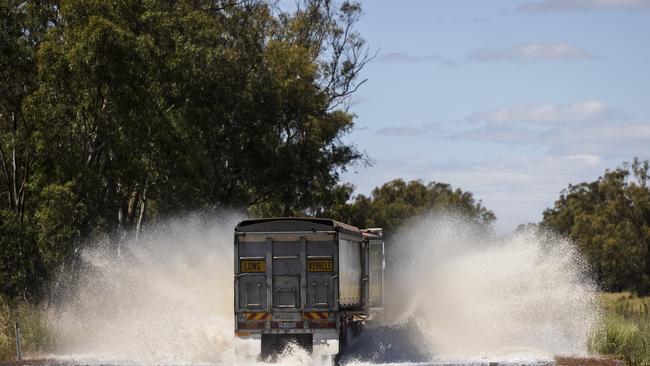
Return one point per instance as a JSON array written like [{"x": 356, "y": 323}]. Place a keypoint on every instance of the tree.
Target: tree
[
  {"x": 392, "y": 204},
  {"x": 23, "y": 26},
  {"x": 609, "y": 220},
  {"x": 118, "y": 113}
]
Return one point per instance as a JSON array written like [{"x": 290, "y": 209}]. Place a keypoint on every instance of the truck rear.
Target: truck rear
[{"x": 311, "y": 282}]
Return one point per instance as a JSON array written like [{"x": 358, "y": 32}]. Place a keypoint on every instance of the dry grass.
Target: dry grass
[
  {"x": 584, "y": 361},
  {"x": 625, "y": 331},
  {"x": 36, "y": 336},
  {"x": 33, "y": 362}
]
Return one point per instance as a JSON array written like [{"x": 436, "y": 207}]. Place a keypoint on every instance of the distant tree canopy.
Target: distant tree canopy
[
  {"x": 609, "y": 220},
  {"x": 392, "y": 204},
  {"x": 114, "y": 113}
]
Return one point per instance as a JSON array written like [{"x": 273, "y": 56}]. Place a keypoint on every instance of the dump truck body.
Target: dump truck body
[{"x": 302, "y": 280}]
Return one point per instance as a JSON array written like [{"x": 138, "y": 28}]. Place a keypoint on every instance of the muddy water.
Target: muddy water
[{"x": 455, "y": 295}]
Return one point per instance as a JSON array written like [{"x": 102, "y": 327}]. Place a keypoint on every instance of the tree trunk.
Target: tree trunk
[{"x": 143, "y": 203}]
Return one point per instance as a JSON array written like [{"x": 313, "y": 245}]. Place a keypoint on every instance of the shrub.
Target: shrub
[
  {"x": 36, "y": 335},
  {"x": 625, "y": 330}
]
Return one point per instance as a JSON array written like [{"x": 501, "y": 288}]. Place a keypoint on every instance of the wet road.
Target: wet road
[{"x": 377, "y": 346}]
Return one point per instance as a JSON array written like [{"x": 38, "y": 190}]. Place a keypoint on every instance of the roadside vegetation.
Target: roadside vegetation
[
  {"x": 609, "y": 221},
  {"x": 36, "y": 335},
  {"x": 625, "y": 332}
]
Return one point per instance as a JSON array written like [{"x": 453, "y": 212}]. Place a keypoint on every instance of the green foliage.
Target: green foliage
[
  {"x": 20, "y": 265},
  {"x": 114, "y": 114},
  {"x": 625, "y": 330},
  {"x": 36, "y": 334},
  {"x": 609, "y": 220},
  {"x": 57, "y": 221},
  {"x": 391, "y": 204}
]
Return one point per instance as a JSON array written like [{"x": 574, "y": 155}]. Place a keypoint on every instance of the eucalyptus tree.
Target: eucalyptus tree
[
  {"x": 609, "y": 220},
  {"x": 394, "y": 203},
  {"x": 117, "y": 113}
]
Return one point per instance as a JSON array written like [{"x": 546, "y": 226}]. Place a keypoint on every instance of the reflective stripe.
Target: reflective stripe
[
  {"x": 257, "y": 316},
  {"x": 316, "y": 315}
]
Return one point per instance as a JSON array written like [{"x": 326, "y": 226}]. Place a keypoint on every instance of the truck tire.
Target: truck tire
[
  {"x": 343, "y": 335},
  {"x": 356, "y": 328}
]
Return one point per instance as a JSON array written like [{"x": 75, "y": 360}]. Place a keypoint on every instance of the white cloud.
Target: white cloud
[
  {"x": 576, "y": 129},
  {"x": 614, "y": 132},
  {"x": 585, "y": 159},
  {"x": 546, "y": 113},
  {"x": 402, "y": 57},
  {"x": 584, "y": 5},
  {"x": 499, "y": 134},
  {"x": 517, "y": 189},
  {"x": 417, "y": 130},
  {"x": 530, "y": 52},
  {"x": 406, "y": 57},
  {"x": 616, "y": 140}
]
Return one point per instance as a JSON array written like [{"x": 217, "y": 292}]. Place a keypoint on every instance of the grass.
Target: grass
[
  {"x": 36, "y": 337},
  {"x": 586, "y": 361},
  {"x": 625, "y": 331}
]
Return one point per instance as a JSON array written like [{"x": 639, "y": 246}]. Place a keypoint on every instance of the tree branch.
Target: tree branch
[{"x": 6, "y": 175}]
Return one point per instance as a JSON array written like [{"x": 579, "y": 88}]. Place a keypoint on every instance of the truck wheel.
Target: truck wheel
[{"x": 356, "y": 328}]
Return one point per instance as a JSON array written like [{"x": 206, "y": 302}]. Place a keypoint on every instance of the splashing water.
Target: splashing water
[
  {"x": 164, "y": 299},
  {"x": 459, "y": 293},
  {"x": 473, "y": 294},
  {"x": 167, "y": 297}
]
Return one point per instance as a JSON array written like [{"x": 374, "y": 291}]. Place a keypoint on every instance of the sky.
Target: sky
[{"x": 510, "y": 100}]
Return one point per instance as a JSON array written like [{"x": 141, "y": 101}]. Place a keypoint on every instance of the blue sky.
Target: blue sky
[{"x": 511, "y": 100}]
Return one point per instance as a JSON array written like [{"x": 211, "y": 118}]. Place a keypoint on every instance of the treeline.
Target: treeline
[
  {"x": 392, "y": 204},
  {"x": 609, "y": 220},
  {"x": 117, "y": 113}
]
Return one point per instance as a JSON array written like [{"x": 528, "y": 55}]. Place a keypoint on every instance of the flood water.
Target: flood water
[{"x": 455, "y": 294}]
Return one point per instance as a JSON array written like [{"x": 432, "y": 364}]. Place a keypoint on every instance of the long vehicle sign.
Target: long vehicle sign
[
  {"x": 248, "y": 265},
  {"x": 320, "y": 265}
]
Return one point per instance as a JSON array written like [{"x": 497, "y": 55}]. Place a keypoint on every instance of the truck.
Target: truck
[{"x": 310, "y": 282}]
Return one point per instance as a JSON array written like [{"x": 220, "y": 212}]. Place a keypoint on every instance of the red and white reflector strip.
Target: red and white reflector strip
[
  {"x": 257, "y": 316},
  {"x": 315, "y": 315}
]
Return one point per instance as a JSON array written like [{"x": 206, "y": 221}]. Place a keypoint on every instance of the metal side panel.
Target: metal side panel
[
  {"x": 320, "y": 293},
  {"x": 365, "y": 275},
  {"x": 376, "y": 278},
  {"x": 287, "y": 271},
  {"x": 286, "y": 292},
  {"x": 252, "y": 292},
  {"x": 322, "y": 279},
  {"x": 251, "y": 286},
  {"x": 350, "y": 272},
  {"x": 269, "y": 271}
]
